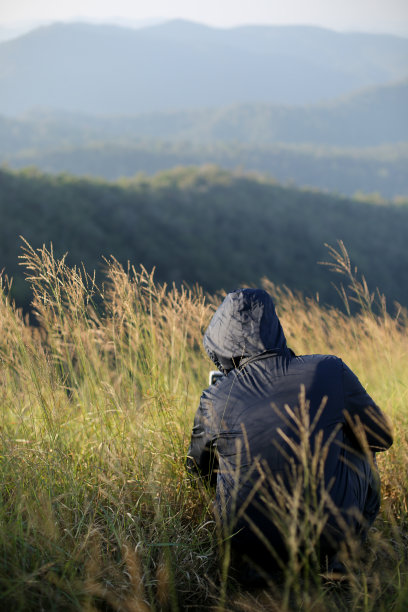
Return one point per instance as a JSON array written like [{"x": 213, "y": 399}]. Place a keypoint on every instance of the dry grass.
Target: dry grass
[{"x": 97, "y": 405}]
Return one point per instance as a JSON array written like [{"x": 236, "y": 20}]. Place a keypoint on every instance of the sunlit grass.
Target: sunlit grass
[{"x": 96, "y": 509}]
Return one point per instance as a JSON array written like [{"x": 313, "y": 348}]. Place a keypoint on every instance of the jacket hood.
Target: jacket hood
[{"x": 244, "y": 325}]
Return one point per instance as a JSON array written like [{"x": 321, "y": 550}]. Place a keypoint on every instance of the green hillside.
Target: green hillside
[
  {"x": 207, "y": 226},
  {"x": 379, "y": 170}
]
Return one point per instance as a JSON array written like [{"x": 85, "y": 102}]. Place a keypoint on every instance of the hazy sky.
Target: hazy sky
[{"x": 364, "y": 15}]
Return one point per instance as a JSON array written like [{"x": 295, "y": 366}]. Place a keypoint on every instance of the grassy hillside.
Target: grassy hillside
[
  {"x": 97, "y": 512},
  {"x": 207, "y": 226}
]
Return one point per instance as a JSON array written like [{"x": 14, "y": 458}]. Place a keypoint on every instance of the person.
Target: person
[{"x": 289, "y": 441}]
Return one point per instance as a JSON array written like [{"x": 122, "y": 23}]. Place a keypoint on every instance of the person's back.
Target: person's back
[{"x": 274, "y": 417}]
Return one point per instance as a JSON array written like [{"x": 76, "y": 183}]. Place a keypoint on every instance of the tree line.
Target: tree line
[{"x": 202, "y": 225}]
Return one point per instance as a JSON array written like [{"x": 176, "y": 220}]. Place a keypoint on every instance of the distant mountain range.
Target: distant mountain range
[
  {"x": 15, "y": 29},
  {"x": 357, "y": 143},
  {"x": 101, "y": 69},
  {"x": 371, "y": 117}
]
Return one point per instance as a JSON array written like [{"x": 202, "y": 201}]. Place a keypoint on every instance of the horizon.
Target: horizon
[
  {"x": 342, "y": 16},
  {"x": 15, "y": 29}
]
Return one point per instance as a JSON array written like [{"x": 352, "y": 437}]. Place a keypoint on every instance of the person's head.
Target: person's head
[{"x": 244, "y": 325}]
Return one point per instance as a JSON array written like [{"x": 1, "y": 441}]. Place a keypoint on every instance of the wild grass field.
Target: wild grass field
[{"x": 96, "y": 509}]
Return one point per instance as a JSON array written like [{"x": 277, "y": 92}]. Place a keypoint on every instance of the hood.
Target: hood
[{"x": 244, "y": 326}]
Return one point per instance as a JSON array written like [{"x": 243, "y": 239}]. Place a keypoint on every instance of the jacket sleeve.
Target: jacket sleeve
[
  {"x": 201, "y": 455},
  {"x": 366, "y": 422}
]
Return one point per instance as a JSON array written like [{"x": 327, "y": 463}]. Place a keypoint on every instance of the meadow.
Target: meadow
[{"x": 96, "y": 509}]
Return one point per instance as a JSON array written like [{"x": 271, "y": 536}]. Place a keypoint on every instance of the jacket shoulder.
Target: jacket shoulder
[{"x": 317, "y": 358}]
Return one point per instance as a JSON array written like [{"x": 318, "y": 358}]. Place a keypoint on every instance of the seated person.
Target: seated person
[{"x": 289, "y": 441}]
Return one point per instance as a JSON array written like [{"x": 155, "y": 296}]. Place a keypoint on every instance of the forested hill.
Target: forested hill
[
  {"x": 208, "y": 226},
  {"x": 300, "y": 145},
  {"x": 368, "y": 117},
  {"x": 381, "y": 172},
  {"x": 179, "y": 65}
]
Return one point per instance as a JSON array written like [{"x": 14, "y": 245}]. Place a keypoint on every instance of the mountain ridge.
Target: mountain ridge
[
  {"x": 370, "y": 117},
  {"x": 356, "y": 144},
  {"x": 108, "y": 69}
]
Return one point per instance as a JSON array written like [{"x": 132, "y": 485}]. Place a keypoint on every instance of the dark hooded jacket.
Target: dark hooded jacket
[{"x": 245, "y": 434}]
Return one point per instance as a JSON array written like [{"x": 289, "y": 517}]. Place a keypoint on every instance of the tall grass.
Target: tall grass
[{"x": 96, "y": 510}]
